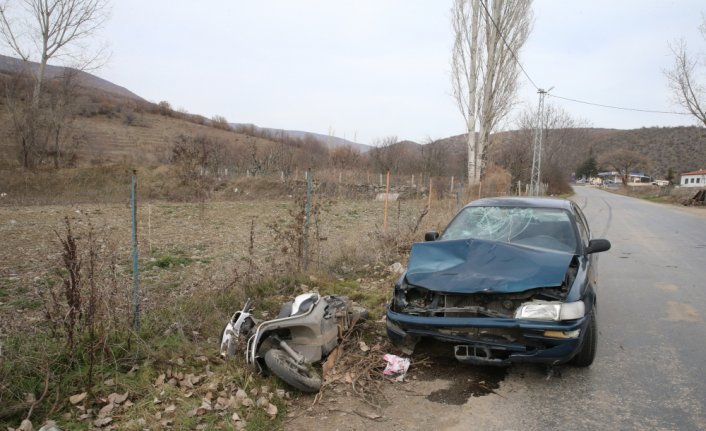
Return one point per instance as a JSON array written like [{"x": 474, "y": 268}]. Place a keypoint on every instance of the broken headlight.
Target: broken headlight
[
  {"x": 556, "y": 311},
  {"x": 411, "y": 296}
]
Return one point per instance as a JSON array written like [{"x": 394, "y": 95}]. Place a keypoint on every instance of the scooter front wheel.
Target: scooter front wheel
[{"x": 282, "y": 365}]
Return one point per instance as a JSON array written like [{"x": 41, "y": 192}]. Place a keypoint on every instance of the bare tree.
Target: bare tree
[
  {"x": 488, "y": 34},
  {"x": 60, "y": 113},
  {"x": 345, "y": 157},
  {"x": 50, "y": 28},
  {"x": 385, "y": 154},
  {"x": 563, "y": 134},
  {"x": 39, "y": 31},
  {"x": 682, "y": 78},
  {"x": 624, "y": 162}
]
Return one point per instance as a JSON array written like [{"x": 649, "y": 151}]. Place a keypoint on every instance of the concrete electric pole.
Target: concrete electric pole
[{"x": 536, "y": 179}]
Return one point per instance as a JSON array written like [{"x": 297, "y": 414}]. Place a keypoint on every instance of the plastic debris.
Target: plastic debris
[{"x": 396, "y": 366}]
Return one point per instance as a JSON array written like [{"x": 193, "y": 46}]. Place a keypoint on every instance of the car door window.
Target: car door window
[{"x": 582, "y": 225}]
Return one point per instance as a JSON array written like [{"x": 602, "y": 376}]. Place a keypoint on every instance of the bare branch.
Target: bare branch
[
  {"x": 52, "y": 27},
  {"x": 682, "y": 79},
  {"x": 488, "y": 34}
]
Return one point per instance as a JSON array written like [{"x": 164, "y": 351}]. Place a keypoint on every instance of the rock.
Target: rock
[
  {"x": 106, "y": 410},
  {"x": 101, "y": 422},
  {"x": 396, "y": 268},
  {"x": 160, "y": 380},
  {"x": 241, "y": 394},
  {"x": 117, "y": 398},
  {"x": 271, "y": 410},
  {"x": 206, "y": 404},
  {"x": 50, "y": 426},
  {"x": 262, "y": 402},
  {"x": 221, "y": 403},
  {"x": 26, "y": 425},
  {"x": 75, "y": 399}
]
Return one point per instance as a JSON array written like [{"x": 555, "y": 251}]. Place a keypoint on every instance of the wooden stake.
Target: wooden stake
[
  {"x": 429, "y": 203},
  {"x": 149, "y": 226}
]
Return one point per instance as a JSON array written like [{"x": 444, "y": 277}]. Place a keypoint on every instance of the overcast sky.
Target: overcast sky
[{"x": 367, "y": 69}]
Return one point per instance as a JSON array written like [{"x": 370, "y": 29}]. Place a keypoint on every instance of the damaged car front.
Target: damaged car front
[{"x": 509, "y": 280}]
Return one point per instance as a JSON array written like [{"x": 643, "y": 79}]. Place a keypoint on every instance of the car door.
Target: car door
[{"x": 585, "y": 234}]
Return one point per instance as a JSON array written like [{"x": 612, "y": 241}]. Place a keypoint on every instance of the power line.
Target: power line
[
  {"x": 517, "y": 60},
  {"x": 652, "y": 111}
]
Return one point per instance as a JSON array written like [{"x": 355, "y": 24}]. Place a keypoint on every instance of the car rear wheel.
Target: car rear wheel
[{"x": 587, "y": 354}]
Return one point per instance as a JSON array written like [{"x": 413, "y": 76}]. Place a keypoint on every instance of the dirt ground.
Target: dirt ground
[
  {"x": 215, "y": 239},
  {"x": 435, "y": 387}
]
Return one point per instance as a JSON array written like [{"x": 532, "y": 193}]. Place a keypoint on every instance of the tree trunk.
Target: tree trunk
[{"x": 472, "y": 89}]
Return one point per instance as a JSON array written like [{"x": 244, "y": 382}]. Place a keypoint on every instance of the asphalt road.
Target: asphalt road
[{"x": 650, "y": 370}]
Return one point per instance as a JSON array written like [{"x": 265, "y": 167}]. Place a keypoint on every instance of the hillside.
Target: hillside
[
  {"x": 146, "y": 138},
  {"x": 11, "y": 66},
  {"x": 681, "y": 148},
  {"x": 330, "y": 141},
  {"x": 112, "y": 124}
]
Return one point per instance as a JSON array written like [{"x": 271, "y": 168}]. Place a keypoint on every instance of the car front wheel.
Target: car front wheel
[{"x": 587, "y": 354}]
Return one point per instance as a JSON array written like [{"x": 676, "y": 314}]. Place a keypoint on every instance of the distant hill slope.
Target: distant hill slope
[
  {"x": 682, "y": 149},
  {"x": 11, "y": 65},
  {"x": 330, "y": 141},
  {"x": 109, "y": 139}
]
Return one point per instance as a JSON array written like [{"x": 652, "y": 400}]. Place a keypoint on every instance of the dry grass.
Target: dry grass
[
  {"x": 196, "y": 265},
  {"x": 146, "y": 142},
  {"x": 209, "y": 248}
]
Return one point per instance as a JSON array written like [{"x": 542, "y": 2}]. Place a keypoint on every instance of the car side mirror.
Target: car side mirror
[
  {"x": 431, "y": 236},
  {"x": 597, "y": 246}
]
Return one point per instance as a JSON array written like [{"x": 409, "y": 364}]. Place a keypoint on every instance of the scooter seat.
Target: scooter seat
[
  {"x": 286, "y": 310},
  {"x": 303, "y": 303}
]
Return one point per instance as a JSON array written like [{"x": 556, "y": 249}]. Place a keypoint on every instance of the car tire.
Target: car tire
[{"x": 587, "y": 354}]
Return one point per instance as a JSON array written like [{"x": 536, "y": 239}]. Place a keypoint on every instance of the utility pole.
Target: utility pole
[{"x": 535, "y": 182}]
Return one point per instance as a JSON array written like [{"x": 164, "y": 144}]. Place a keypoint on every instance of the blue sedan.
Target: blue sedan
[{"x": 509, "y": 280}]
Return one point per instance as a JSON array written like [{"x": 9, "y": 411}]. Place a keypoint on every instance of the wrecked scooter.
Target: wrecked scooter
[{"x": 304, "y": 332}]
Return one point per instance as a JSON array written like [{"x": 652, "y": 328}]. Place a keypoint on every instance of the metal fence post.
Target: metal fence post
[{"x": 135, "y": 277}]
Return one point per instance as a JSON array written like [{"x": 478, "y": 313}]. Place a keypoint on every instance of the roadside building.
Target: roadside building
[
  {"x": 612, "y": 177},
  {"x": 639, "y": 178},
  {"x": 693, "y": 179}
]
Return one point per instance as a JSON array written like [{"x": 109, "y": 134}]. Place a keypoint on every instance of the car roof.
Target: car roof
[{"x": 522, "y": 202}]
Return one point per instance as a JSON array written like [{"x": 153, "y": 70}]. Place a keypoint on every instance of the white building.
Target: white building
[{"x": 693, "y": 179}]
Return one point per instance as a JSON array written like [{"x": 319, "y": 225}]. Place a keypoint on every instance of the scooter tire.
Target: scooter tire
[{"x": 281, "y": 364}]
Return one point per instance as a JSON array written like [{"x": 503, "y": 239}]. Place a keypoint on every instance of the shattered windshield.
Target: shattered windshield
[{"x": 536, "y": 227}]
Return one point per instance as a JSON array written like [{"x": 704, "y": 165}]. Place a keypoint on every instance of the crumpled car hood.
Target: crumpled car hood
[{"x": 469, "y": 266}]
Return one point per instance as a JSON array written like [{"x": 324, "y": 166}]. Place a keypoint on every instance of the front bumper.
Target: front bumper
[{"x": 492, "y": 341}]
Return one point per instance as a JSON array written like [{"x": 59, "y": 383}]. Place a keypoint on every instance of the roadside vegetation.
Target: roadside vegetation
[{"x": 71, "y": 352}]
